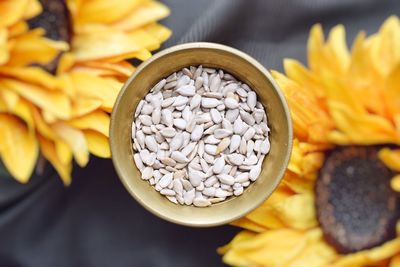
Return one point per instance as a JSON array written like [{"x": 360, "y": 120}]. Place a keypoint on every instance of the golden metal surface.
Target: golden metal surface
[{"x": 246, "y": 69}]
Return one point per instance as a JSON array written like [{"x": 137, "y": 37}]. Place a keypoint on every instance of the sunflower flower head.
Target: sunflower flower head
[
  {"x": 346, "y": 110},
  {"x": 56, "y": 95}
]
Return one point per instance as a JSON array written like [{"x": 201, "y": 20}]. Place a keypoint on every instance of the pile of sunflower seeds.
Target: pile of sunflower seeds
[{"x": 200, "y": 136}]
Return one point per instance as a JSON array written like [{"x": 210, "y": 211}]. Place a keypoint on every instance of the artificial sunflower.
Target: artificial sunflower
[
  {"x": 62, "y": 64},
  {"x": 338, "y": 203}
]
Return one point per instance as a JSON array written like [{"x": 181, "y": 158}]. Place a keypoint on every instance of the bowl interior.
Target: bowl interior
[{"x": 245, "y": 69}]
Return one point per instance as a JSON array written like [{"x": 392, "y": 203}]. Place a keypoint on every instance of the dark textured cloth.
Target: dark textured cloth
[{"x": 95, "y": 222}]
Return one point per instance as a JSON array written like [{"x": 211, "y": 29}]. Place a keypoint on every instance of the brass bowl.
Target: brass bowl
[{"x": 246, "y": 69}]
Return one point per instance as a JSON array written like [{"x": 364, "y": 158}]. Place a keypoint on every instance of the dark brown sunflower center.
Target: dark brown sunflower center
[
  {"x": 56, "y": 21},
  {"x": 356, "y": 207}
]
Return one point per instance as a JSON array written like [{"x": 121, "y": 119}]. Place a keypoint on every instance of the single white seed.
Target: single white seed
[
  {"x": 147, "y": 173},
  {"x": 219, "y": 165},
  {"x": 166, "y": 180},
  {"x": 179, "y": 157},
  {"x": 226, "y": 179},
  {"x": 197, "y": 132},
  {"x": 151, "y": 143},
  {"x": 186, "y": 90},
  {"x": 215, "y": 116}
]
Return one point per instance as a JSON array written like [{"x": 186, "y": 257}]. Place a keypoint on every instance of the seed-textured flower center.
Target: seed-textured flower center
[{"x": 356, "y": 207}]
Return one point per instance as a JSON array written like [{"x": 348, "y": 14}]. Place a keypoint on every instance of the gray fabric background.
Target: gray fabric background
[{"x": 95, "y": 222}]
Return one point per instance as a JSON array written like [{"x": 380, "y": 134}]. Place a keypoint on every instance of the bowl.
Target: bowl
[{"x": 246, "y": 69}]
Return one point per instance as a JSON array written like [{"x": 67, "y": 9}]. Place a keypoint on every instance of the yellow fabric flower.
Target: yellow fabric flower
[
  {"x": 342, "y": 98},
  {"x": 106, "y": 33},
  {"x": 65, "y": 115}
]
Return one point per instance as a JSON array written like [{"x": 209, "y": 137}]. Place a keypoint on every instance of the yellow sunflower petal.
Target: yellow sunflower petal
[
  {"x": 363, "y": 129},
  {"x": 305, "y": 163},
  {"x": 65, "y": 63},
  {"x": 122, "y": 68},
  {"x": 298, "y": 73},
  {"x": 271, "y": 248},
  {"x": 297, "y": 211},
  {"x": 97, "y": 120},
  {"x": 18, "y": 28},
  {"x": 63, "y": 151},
  {"x": 316, "y": 253},
  {"x": 310, "y": 120},
  {"x": 103, "y": 89},
  {"x": 67, "y": 86},
  {"x": 391, "y": 158},
  {"x": 395, "y": 261},
  {"x": 41, "y": 126},
  {"x": 144, "y": 39},
  {"x": 99, "y": 72},
  {"x": 370, "y": 257},
  {"x": 364, "y": 79},
  {"x": 385, "y": 45},
  {"x": 392, "y": 92},
  {"x": 81, "y": 104},
  {"x": 159, "y": 31},
  {"x": 295, "y": 158},
  {"x": 53, "y": 101},
  {"x": 33, "y": 9},
  {"x": 147, "y": 12},
  {"x": 104, "y": 45},
  {"x": 337, "y": 137},
  {"x": 264, "y": 215},
  {"x": 4, "y": 53},
  {"x": 97, "y": 144},
  {"x": 317, "y": 147},
  {"x": 352, "y": 260},
  {"x": 310, "y": 165},
  {"x": 396, "y": 119},
  {"x": 360, "y": 65},
  {"x": 242, "y": 236},
  {"x": 84, "y": 105},
  {"x": 338, "y": 93},
  {"x": 76, "y": 140},
  {"x": 338, "y": 48},
  {"x": 395, "y": 183},
  {"x": 49, "y": 152},
  {"x": 100, "y": 11},
  {"x": 12, "y": 11},
  {"x": 279, "y": 248},
  {"x": 143, "y": 54},
  {"x": 298, "y": 184},
  {"x": 49, "y": 117},
  {"x": 10, "y": 98},
  {"x": 23, "y": 110},
  {"x": 3, "y": 106},
  {"x": 248, "y": 224},
  {"x": 237, "y": 258},
  {"x": 32, "y": 48},
  {"x": 315, "y": 48},
  {"x": 18, "y": 148},
  {"x": 34, "y": 75},
  {"x": 332, "y": 57}
]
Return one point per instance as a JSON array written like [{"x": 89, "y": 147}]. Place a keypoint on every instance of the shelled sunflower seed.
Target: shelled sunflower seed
[{"x": 200, "y": 136}]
